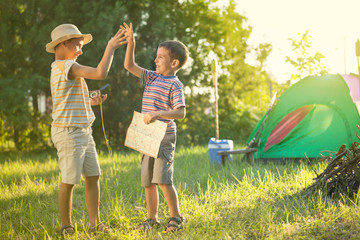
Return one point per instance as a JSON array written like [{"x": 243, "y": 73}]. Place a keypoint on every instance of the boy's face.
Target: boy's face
[
  {"x": 73, "y": 48},
  {"x": 164, "y": 64}
]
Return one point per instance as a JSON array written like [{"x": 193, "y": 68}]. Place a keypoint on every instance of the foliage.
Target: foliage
[
  {"x": 304, "y": 62},
  {"x": 238, "y": 201},
  {"x": 24, "y": 73},
  {"x": 207, "y": 30}
]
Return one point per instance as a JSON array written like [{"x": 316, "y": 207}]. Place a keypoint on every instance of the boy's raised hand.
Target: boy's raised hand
[
  {"x": 129, "y": 33},
  {"x": 129, "y": 61},
  {"x": 118, "y": 39}
]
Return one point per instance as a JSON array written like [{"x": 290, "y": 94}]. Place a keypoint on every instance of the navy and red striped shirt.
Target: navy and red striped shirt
[{"x": 162, "y": 93}]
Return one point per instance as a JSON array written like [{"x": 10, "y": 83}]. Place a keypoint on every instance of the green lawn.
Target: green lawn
[{"x": 233, "y": 202}]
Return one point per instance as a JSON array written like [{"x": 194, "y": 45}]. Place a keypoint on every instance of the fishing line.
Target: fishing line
[{"x": 103, "y": 126}]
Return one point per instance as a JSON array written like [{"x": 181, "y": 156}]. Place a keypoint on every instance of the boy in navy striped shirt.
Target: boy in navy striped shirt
[{"x": 163, "y": 99}]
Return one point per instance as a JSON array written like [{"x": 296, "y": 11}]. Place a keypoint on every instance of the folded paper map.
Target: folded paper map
[{"x": 145, "y": 138}]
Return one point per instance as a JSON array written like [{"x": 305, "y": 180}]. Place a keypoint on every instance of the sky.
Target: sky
[{"x": 333, "y": 25}]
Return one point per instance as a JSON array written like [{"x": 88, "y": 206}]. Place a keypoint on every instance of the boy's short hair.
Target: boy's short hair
[{"x": 178, "y": 51}]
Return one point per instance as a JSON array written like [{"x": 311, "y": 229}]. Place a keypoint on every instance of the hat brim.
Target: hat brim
[{"x": 50, "y": 47}]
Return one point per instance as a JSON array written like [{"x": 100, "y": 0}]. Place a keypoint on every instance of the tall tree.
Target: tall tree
[
  {"x": 303, "y": 60},
  {"x": 207, "y": 30}
]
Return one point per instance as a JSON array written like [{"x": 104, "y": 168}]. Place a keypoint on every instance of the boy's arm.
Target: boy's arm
[
  {"x": 101, "y": 71},
  {"x": 178, "y": 113},
  {"x": 129, "y": 62}
]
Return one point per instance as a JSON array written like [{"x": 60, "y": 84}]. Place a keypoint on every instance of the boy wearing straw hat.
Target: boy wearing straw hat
[
  {"x": 72, "y": 116},
  {"x": 163, "y": 99}
]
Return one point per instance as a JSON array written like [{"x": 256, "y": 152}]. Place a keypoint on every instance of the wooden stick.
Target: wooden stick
[
  {"x": 317, "y": 175},
  {"x": 214, "y": 76}
]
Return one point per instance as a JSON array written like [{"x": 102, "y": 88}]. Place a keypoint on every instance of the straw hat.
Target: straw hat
[{"x": 65, "y": 32}]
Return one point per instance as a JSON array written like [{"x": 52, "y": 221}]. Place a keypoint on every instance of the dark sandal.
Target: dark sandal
[
  {"x": 175, "y": 226},
  {"x": 67, "y": 230},
  {"x": 100, "y": 228},
  {"x": 147, "y": 225}
]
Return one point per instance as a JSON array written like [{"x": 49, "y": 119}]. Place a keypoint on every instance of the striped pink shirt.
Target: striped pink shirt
[{"x": 162, "y": 93}]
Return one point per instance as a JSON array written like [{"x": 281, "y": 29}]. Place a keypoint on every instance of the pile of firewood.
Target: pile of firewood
[{"x": 342, "y": 175}]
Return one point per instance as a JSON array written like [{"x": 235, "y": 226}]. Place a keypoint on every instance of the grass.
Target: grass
[{"x": 238, "y": 201}]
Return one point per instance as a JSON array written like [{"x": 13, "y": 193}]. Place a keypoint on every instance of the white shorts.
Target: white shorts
[{"x": 77, "y": 153}]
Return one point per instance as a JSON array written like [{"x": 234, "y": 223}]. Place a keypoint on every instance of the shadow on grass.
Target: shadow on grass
[
  {"x": 17, "y": 168},
  {"x": 21, "y": 178},
  {"x": 295, "y": 215},
  {"x": 41, "y": 157},
  {"x": 316, "y": 215},
  {"x": 29, "y": 204},
  {"x": 270, "y": 213}
]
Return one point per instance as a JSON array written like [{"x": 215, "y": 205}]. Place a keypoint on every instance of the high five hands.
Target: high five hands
[
  {"x": 118, "y": 39},
  {"x": 129, "y": 33}
]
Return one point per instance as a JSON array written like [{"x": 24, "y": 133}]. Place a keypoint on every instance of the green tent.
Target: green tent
[{"x": 315, "y": 114}]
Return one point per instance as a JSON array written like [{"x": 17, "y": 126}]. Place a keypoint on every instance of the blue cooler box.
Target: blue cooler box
[{"x": 219, "y": 145}]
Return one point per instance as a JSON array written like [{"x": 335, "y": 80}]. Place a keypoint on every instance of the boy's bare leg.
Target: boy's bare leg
[
  {"x": 65, "y": 202},
  {"x": 92, "y": 197},
  {"x": 172, "y": 201},
  {"x": 171, "y": 198},
  {"x": 152, "y": 201}
]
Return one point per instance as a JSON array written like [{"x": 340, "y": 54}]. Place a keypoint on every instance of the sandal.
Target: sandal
[
  {"x": 100, "y": 228},
  {"x": 67, "y": 230},
  {"x": 172, "y": 227},
  {"x": 147, "y": 225}
]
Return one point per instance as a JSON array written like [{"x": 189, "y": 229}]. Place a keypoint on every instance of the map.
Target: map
[{"x": 145, "y": 138}]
